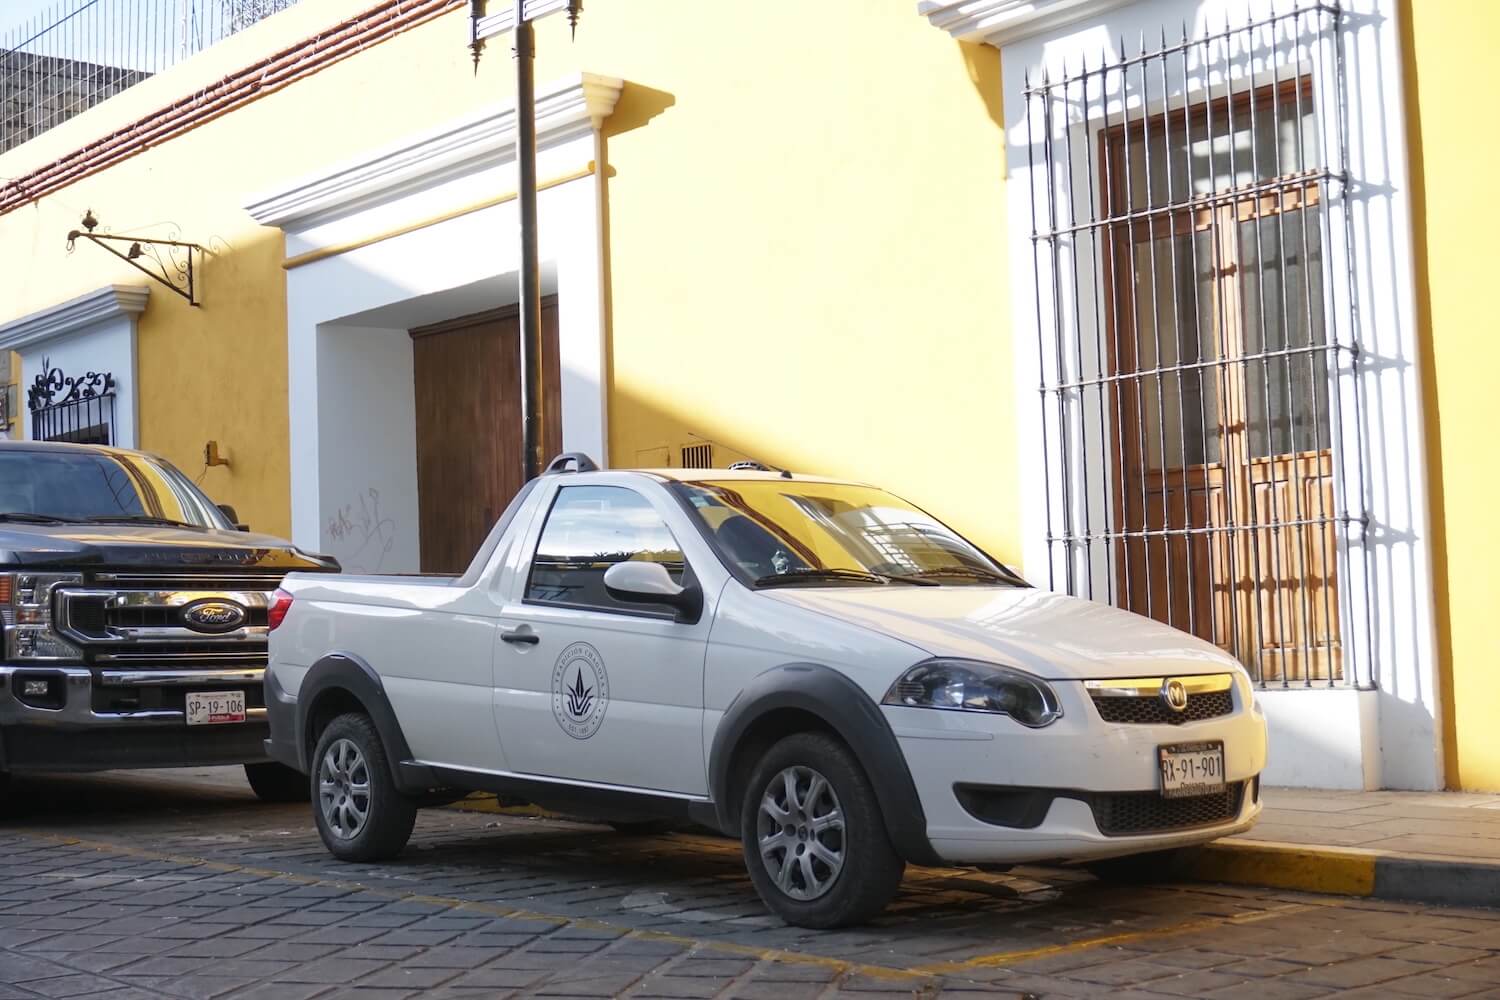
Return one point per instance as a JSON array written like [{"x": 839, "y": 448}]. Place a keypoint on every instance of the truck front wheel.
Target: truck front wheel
[
  {"x": 360, "y": 813},
  {"x": 274, "y": 782},
  {"x": 814, "y": 838}
]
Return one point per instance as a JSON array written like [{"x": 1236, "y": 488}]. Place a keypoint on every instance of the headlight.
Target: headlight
[
  {"x": 971, "y": 686},
  {"x": 26, "y": 618}
]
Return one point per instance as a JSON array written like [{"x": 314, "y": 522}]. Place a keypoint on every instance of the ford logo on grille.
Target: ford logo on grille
[{"x": 213, "y": 617}]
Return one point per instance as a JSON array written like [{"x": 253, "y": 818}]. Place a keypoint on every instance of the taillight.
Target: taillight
[{"x": 281, "y": 603}]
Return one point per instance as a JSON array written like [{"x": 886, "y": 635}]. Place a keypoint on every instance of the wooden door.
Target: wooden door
[
  {"x": 1220, "y": 432},
  {"x": 468, "y": 412}
]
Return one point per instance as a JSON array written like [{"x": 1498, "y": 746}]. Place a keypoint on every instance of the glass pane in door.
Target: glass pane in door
[
  {"x": 1286, "y": 371},
  {"x": 1175, "y": 345}
]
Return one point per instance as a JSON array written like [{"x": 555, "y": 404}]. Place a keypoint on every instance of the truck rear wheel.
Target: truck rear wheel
[
  {"x": 360, "y": 813},
  {"x": 814, "y": 838},
  {"x": 272, "y": 782}
]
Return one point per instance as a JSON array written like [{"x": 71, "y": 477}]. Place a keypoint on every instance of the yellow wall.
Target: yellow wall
[
  {"x": 805, "y": 240},
  {"x": 1453, "y": 157}
]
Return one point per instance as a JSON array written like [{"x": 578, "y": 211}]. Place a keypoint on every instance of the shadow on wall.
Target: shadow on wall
[{"x": 983, "y": 64}]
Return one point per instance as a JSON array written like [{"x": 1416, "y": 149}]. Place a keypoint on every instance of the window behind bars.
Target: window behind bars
[{"x": 1197, "y": 377}]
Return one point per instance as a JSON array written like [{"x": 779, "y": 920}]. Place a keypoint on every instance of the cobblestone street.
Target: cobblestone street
[{"x": 179, "y": 884}]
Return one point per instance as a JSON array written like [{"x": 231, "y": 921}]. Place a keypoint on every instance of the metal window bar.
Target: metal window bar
[
  {"x": 90, "y": 420},
  {"x": 1197, "y": 356},
  {"x": 79, "y": 53}
]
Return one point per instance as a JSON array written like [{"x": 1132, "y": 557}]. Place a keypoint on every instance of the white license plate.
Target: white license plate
[
  {"x": 215, "y": 708},
  {"x": 1189, "y": 769}
]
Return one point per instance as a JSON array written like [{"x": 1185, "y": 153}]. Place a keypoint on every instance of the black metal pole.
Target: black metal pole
[{"x": 530, "y": 285}]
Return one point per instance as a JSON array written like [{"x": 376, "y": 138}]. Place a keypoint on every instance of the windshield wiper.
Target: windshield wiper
[
  {"x": 25, "y": 517},
  {"x": 833, "y": 573},
  {"x": 138, "y": 519},
  {"x": 963, "y": 573}
]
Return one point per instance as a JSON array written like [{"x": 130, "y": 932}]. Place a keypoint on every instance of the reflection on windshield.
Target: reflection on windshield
[
  {"x": 99, "y": 486},
  {"x": 779, "y": 531}
]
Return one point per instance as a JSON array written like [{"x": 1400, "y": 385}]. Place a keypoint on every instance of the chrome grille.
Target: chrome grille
[
  {"x": 136, "y": 619},
  {"x": 1127, "y": 813},
  {"x": 1151, "y": 710}
]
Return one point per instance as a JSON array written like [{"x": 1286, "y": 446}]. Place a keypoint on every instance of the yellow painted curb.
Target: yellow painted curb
[
  {"x": 484, "y": 802},
  {"x": 1284, "y": 866}
]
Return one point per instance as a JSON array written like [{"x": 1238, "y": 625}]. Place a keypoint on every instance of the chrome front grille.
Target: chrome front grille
[{"x": 176, "y": 619}]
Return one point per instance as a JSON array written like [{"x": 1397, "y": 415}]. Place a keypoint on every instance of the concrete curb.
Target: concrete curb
[{"x": 1345, "y": 871}]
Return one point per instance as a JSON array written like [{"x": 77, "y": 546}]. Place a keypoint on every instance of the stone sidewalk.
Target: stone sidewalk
[{"x": 1439, "y": 847}]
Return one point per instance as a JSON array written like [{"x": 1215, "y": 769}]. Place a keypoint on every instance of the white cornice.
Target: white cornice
[
  {"x": 563, "y": 109},
  {"x": 502, "y": 21},
  {"x": 102, "y": 304},
  {"x": 1000, "y": 22}
]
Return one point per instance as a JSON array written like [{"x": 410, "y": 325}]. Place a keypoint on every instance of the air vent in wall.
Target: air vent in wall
[{"x": 698, "y": 456}]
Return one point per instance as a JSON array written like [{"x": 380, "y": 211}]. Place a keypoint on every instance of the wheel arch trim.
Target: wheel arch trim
[
  {"x": 854, "y": 717},
  {"x": 348, "y": 674}
]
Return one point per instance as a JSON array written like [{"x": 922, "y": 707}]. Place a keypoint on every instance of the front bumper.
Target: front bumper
[
  {"x": 1057, "y": 791},
  {"x": 98, "y": 720}
]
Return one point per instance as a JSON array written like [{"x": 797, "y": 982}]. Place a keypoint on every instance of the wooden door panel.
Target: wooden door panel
[
  {"x": 1293, "y": 507},
  {"x": 468, "y": 424}
]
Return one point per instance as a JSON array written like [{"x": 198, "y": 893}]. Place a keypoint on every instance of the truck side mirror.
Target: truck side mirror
[
  {"x": 641, "y": 582},
  {"x": 228, "y": 511}
]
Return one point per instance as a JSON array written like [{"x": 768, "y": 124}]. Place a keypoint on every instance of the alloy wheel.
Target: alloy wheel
[
  {"x": 344, "y": 789},
  {"x": 800, "y": 829}
]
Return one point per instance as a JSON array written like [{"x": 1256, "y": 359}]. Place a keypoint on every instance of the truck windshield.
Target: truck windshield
[
  {"x": 793, "y": 533},
  {"x": 101, "y": 487}
]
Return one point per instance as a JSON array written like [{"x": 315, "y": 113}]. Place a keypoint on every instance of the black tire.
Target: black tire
[
  {"x": 816, "y": 894},
  {"x": 1137, "y": 869},
  {"x": 388, "y": 816},
  {"x": 272, "y": 782}
]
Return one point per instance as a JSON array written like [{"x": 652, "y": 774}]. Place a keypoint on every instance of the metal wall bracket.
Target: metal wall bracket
[{"x": 170, "y": 262}]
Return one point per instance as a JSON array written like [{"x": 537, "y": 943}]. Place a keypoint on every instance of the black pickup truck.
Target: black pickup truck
[{"x": 133, "y": 618}]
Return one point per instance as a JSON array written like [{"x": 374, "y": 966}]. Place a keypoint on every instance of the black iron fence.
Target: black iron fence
[
  {"x": 1198, "y": 358},
  {"x": 78, "y": 53}
]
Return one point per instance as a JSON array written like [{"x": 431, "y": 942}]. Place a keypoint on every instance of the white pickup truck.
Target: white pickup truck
[{"x": 816, "y": 667}]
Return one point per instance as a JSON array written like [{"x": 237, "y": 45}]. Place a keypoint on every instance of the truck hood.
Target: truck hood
[
  {"x": 137, "y": 546},
  {"x": 1052, "y": 636}
]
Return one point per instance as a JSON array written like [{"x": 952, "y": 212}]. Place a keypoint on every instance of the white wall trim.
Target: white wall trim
[
  {"x": 98, "y": 306},
  {"x": 564, "y": 109},
  {"x": 1000, "y": 22},
  {"x": 504, "y": 20}
]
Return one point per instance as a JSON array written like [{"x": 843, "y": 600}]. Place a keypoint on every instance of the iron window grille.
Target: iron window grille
[
  {"x": 1198, "y": 358},
  {"x": 79, "y": 410}
]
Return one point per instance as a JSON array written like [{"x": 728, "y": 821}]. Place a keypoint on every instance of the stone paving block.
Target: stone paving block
[
  {"x": 289, "y": 951},
  {"x": 74, "y": 985},
  {"x": 219, "y": 947},
  {"x": 189, "y": 987},
  {"x": 770, "y": 990},
  {"x": 495, "y": 978},
  {"x": 336, "y": 970},
  {"x": 283, "y": 991},
  {"x": 1428, "y": 984},
  {"x": 447, "y": 957},
  {"x": 169, "y": 965},
  {"x": 1356, "y": 972},
  {"x": 408, "y": 977},
  {"x": 369, "y": 994},
  {"x": 1196, "y": 983}
]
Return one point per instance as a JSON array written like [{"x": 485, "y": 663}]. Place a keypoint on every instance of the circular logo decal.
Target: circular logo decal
[
  {"x": 580, "y": 691},
  {"x": 1175, "y": 694}
]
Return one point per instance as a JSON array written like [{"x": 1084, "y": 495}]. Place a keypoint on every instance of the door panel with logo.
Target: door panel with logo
[{"x": 588, "y": 688}]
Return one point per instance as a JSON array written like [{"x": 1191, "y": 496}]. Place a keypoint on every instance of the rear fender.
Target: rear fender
[{"x": 344, "y": 675}]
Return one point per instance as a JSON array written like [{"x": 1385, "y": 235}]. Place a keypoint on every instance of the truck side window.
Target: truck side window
[{"x": 588, "y": 530}]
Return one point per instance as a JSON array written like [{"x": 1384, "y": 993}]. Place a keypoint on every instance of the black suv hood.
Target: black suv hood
[{"x": 109, "y": 546}]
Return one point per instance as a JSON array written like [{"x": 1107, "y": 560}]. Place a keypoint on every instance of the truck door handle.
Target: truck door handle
[{"x": 523, "y": 636}]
